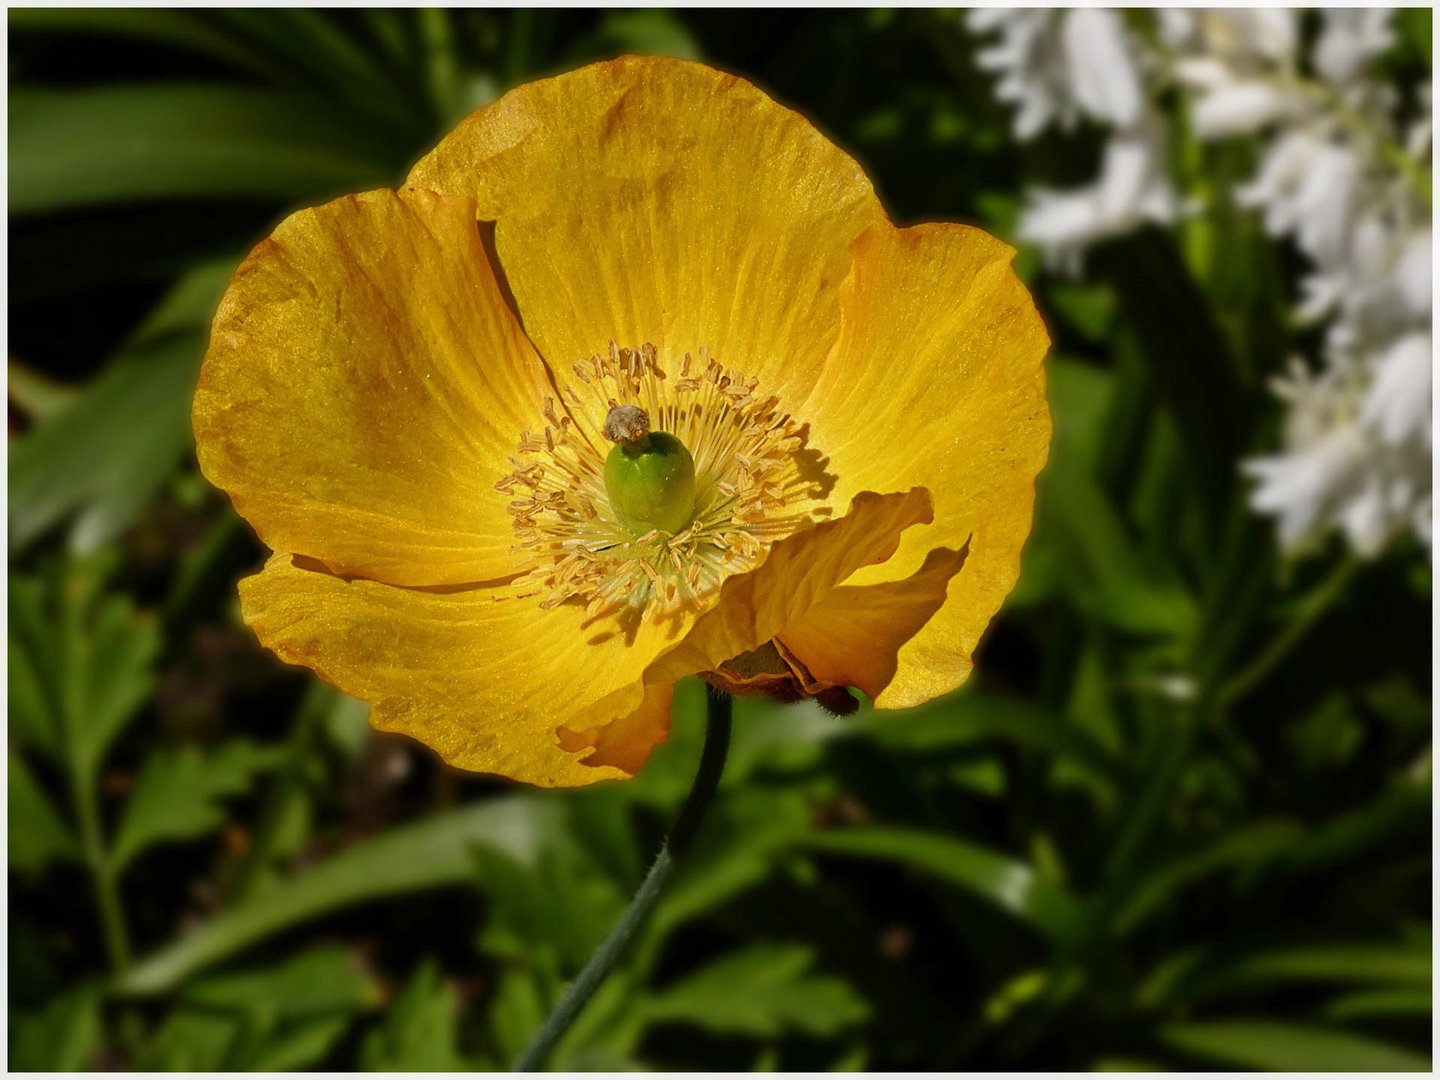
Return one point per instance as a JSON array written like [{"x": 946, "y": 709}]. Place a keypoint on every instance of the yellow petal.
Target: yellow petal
[
  {"x": 654, "y": 200},
  {"x": 937, "y": 379},
  {"x": 799, "y": 573},
  {"x": 854, "y": 635},
  {"x": 364, "y": 384},
  {"x": 483, "y": 676}
]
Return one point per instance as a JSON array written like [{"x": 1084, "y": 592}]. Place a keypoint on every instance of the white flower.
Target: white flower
[
  {"x": 1334, "y": 471},
  {"x": 1242, "y": 39},
  {"x": 1055, "y": 67},
  {"x": 1299, "y": 486},
  {"x": 1103, "y": 77},
  {"x": 1027, "y": 59},
  {"x": 1414, "y": 274},
  {"x": 1417, "y": 135},
  {"x": 1132, "y": 188},
  {"x": 1397, "y": 405},
  {"x": 1350, "y": 40},
  {"x": 1307, "y": 186},
  {"x": 1358, "y": 433}
]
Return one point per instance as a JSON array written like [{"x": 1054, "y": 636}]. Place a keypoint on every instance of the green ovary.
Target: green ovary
[{"x": 651, "y": 483}]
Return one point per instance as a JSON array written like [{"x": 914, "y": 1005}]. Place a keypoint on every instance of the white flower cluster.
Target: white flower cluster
[
  {"x": 1338, "y": 177},
  {"x": 1056, "y": 67}
]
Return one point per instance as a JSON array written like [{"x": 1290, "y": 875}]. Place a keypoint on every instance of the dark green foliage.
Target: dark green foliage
[{"x": 1180, "y": 818}]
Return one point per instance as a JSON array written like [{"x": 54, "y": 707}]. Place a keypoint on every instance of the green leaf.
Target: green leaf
[
  {"x": 972, "y": 715},
  {"x": 1369, "y": 1004},
  {"x": 1099, "y": 566},
  {"x": 81, "y": 464},
  {"x": 325, "y": 980},
  {"x": 1193, "y": 370},
  {"x": 426, "y": 855},
  {"x": 552, "y": 912},
  {"x": 187, "y": 30},
  {"x": 82, "y": 662},
  {"x": 1247, "y": 846},
  {"x": 1087, "y": 306},
  {"x": 418, "y": 1033},
  {"x": 190, "y": 1040},
  {"x": 761, "y": 991},
  {"x": 179, "y": 794},
  {"x": 1415, "y": 31},
  {"x": 37, "y": 834},
  {"x": 33, "y": 663},
  {"x": 1337, "y": 962},
  {"x": 518, "y": 1008},
  {"x": 263, "y": 1019},
  {"x": 61, "y": 1037},
  {"x": 295, "y": 1047},
  {"x": 35, "y": 395},
  {"x": 1402, "y": 810},
  {"x": 1009, "y": 884},
  {"x": 1264, "y": 1044},
  {"x": 649, "y": 32},
  {"x": 125, "y": 143}
]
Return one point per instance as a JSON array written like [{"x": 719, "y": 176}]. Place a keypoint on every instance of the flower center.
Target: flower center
[
  {"x": 649, "y": 476},
  {"x": 704, "y": 476}
]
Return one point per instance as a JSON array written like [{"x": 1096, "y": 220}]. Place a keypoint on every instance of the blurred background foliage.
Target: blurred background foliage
[{"x": 1179, "y": 818}]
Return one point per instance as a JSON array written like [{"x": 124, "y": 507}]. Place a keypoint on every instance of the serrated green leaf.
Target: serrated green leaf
[
  {"x": 61, "y": 1037},
  {"x": 190, "y": 1040},
  {"x": 418, "y": 1032},
  {"x": 179, "y": 794},
  {"x": 38, "y": 836},
  {"x": 33, "y": 665},
  {"x": 426, "y": 855},
  {"x": 1265, "y": 1044},
  {"x": 558, "y": 907},
  {"x": 83, "y": 659},
  {"x": 761, "y": 991},
  {"x": 294, "y": 1047},
  {"x": 323, "y": 980}
]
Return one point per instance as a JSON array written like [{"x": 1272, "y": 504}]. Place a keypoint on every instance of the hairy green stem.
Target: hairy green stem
[{"x": 697, "y": 803}]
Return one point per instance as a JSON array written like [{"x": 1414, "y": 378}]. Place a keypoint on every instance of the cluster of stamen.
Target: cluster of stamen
[{"x": 753, "y": 485}]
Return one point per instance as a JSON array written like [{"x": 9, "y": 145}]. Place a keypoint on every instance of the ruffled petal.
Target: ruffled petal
[
  {"x": 937, "y": 379},
  {"x": 483, "y": 676},
  {"x": 654, "y": 200},
  {"x": 364, "y": 385},
  {"x": 853, "y": 637},
  {"x": 799, "y": 574}
]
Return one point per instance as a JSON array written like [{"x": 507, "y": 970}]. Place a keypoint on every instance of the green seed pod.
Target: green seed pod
[{"x": 649, "y": 475}]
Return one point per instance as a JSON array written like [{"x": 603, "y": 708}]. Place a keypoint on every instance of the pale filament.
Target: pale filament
[{"x": 752, "y": 487}]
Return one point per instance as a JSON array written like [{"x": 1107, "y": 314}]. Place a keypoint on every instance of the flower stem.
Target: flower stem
[
  {"x": 702, "y": 793},
  {"x": 102, "y": 876},
  {"x": 1309, "y": 612}
]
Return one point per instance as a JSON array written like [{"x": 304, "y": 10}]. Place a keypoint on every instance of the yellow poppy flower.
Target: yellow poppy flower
[{"x": 411, "y": 410}]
